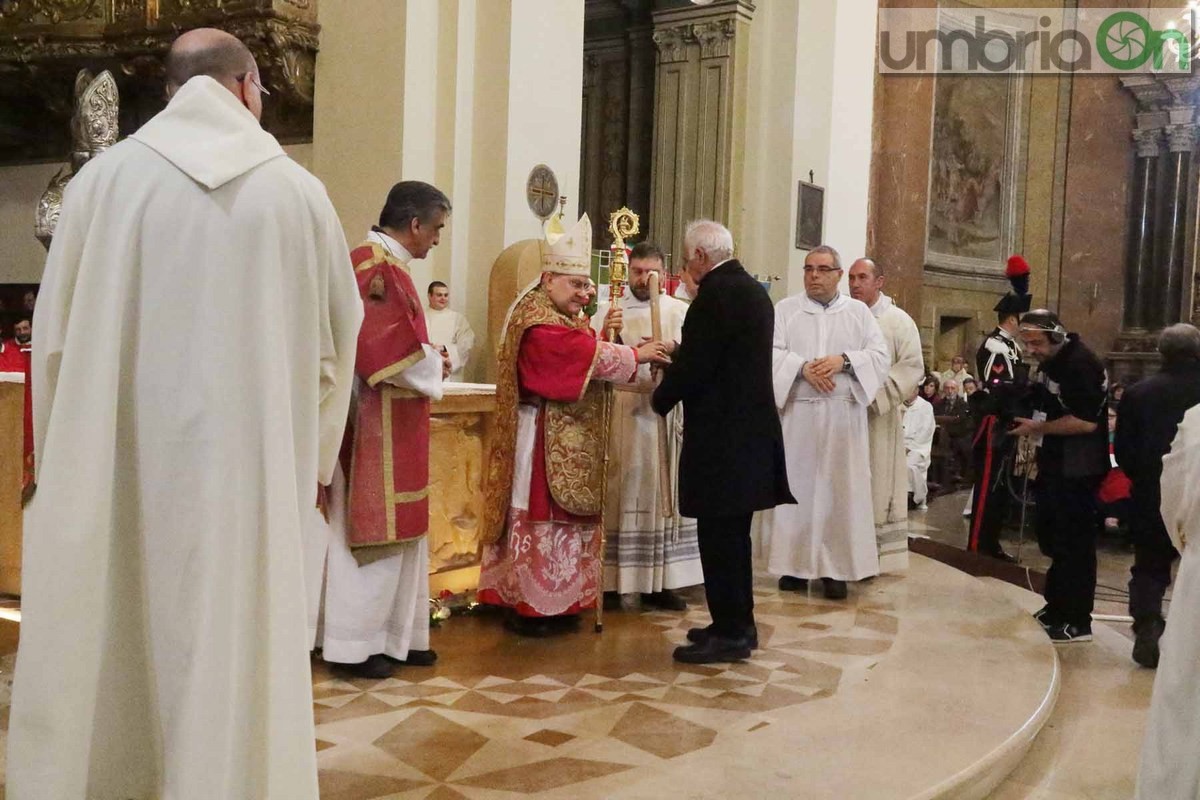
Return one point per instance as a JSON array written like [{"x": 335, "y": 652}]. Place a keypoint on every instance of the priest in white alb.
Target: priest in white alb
[
  {"x": 919, "y": 427},
  {"x": 449, "y": 330},
  {"x": 830, "y": 362},
  {"x": 1169, "y": 769},
  {"x": 162, "y": 648},
  {"x": 646, "y": 552},
  {"x": 889, "y": 476}
]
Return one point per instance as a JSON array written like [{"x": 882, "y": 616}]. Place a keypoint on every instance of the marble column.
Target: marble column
[
  {"x": 699, "y": 116},
  {"x": 1140, "y": 262},
  {"x": 1167, "y": 307}
]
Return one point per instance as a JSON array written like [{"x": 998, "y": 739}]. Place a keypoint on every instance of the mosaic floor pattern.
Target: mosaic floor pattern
[{"x": 501, "y": 715}]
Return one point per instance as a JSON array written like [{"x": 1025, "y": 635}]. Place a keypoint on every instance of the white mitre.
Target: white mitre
[{"x": 569, "y": 253}]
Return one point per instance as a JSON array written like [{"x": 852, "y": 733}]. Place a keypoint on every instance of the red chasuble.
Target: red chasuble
[{"x": 389, "y": 464}]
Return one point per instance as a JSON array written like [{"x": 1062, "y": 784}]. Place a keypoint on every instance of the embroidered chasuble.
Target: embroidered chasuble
[
  {"x": 389, "y": 466},
  {"x": 541, "y": 524}
]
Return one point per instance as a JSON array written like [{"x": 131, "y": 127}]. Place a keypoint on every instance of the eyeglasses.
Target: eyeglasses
[
  {"x": 254, "y": 80},
  {"x": 821, "y": 269}
]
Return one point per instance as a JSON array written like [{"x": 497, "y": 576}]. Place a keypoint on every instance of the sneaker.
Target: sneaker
[
  {"x": 1066, "y": 633},
  {"x": 1042, "y": 615}
]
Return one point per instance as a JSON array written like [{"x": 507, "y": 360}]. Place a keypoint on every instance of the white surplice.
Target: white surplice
[
  {"x": 889, "y": 476},
  {"x": 196, "y": 331},
  {"x": 919, "y": 425},
  {"x": 382, "y": 606},
  {"x": 645, "y": 551},
  {"x": 1169, "y": 768},
  {"x": 450, "y": 329},
  {"x": 830, "y": 531}
]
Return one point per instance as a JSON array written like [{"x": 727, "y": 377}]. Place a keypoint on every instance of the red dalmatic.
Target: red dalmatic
[{"x": 389, "y": 469}]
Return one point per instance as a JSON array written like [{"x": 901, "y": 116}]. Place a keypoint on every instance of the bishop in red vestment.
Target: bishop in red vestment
[{"x": 544, "y": 488}]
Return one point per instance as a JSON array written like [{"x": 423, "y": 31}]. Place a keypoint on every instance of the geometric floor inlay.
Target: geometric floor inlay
[{"x": 509, "y": 715}]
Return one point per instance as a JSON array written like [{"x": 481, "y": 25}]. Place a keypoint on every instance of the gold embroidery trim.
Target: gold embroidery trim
[{"x": 395, "y": 369}]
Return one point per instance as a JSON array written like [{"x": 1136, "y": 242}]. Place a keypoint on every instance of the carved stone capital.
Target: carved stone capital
[
  {"x": 715, "y": 38},
  {"x": 672, "y": 43},
  {"x": 1149, "y": 142},
  {"x": 1181, "y": 138}
]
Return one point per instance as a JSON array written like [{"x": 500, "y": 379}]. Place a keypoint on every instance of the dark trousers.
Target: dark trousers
[
  {"x": 728, "y": 573},
  {"x": 992, "y": 450},
  {"x": 1066, "y": 529},
  {"x": 1153, "y": 555}
]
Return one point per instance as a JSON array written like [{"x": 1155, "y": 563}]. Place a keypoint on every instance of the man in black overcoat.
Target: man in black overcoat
[
  {"x": 1147, "y": 419},
  {"x": 732, "y": 461}
]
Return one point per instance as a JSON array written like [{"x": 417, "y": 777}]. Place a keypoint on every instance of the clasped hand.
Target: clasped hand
[{"x": 819, "y": 372}]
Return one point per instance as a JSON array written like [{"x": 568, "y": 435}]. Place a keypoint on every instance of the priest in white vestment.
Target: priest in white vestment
[
  {"x": 830, "y": 361},
  {"x": 919, "y": 426},
  {"x": 1169, "y": 768},
  {"x": 162, "y": 649},
  {"x": 889, "y": 481},
  {"x": 373, "y": 613},
  {"x": 646, "y": 552},
  {"x": 449, "y": 330}
]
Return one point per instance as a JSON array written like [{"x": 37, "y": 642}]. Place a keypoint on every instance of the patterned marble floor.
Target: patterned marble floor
[{"x": 502, "y": 714}]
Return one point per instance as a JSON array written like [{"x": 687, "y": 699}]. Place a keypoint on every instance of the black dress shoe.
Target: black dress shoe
[
  {"x": 790, "y": 583},
  {"x": 1145, "y": 645},
  {"x": 834, "y": 590},
  {"x": 1000, "y": 555},
  {"x": 375, "y": 668},
  {"x": 416, "y": 658},
  {"x": 713, "y": 650},
  {"x": 701, "y": 635},
  {"x": 666, "y": 600}
]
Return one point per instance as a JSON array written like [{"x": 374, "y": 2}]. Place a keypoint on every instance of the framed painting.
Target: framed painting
[
  {"x": 810, "y": 215},
  {"x": 974, "y": 171}
]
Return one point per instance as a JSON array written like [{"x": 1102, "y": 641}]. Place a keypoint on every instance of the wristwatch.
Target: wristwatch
[{"x": 846, "y": 365}]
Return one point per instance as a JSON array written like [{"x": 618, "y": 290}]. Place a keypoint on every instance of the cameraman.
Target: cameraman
[{"x": 1069, "y": 427}]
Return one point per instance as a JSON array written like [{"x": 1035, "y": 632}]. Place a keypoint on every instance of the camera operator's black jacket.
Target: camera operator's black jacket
[{"x": 1073, "y": 382}]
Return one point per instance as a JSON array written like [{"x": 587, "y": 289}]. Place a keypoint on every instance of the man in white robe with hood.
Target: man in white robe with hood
[
  {"x": 830, "y": 361},
  {"x": 1169, "y": 768},
  {"x": 885, "y": 418},
  {"x": 163, "y": 650}
]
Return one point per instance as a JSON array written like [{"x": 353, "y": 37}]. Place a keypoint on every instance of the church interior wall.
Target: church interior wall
[
  {"x": 22, "y": 257},
  {"x": 468, "y": 95},
  {"x": 1070, "y": 217},
  {"x": 809, "y": 108}
]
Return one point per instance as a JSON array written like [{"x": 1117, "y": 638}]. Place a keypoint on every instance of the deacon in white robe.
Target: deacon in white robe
[
  {"x": 889, "y": 475},
  {"x": 162, "y": 649},
  {"x": 830, "y": 361},
  {"x": 646, "y": 552},
  {"x": 1169, "y": 768},
  {"x": 919, "y": 426},
  {"x": 449, "y": 330}
]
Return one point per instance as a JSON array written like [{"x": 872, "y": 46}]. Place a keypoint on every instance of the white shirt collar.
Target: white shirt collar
[{"x": 396, "y": 249}]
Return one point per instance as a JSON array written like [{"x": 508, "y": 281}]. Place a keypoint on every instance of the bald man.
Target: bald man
[{"x": 192, "y": 372}]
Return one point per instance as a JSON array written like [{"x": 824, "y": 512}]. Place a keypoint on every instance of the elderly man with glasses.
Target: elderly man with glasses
[{"x": 830, "y": 361}]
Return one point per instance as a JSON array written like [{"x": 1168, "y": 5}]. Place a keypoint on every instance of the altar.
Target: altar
[
  {"x": 12, "y": 460},
  {"x": 460, "y": 431}
]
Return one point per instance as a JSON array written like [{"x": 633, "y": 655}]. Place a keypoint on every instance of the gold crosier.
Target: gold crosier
[{"x": 622, "y": 224}]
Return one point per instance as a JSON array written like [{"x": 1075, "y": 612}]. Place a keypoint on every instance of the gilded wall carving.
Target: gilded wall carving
[{"x": 44, "y": 43}]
